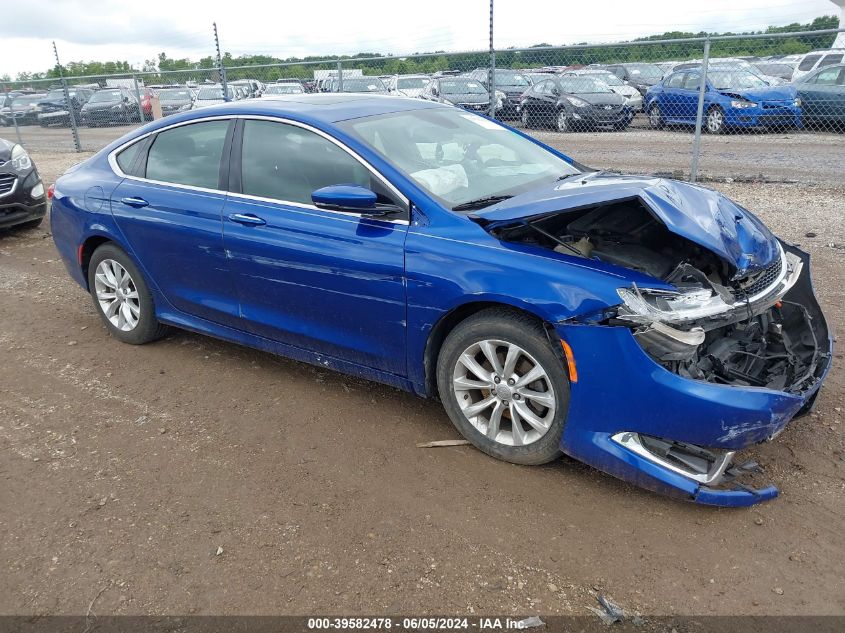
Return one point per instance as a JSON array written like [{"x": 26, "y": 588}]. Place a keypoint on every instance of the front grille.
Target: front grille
[
  {"x": 7, "y": 183},
  {"x": 760, "y": 281}
]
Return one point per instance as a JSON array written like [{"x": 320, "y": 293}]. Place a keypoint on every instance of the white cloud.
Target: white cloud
[{"x": 135, "y": 31}]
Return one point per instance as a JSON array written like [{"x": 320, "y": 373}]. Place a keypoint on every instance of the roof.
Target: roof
[{"x": 326, "y": 108}]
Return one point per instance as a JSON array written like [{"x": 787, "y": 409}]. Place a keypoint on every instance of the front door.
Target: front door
[{"x": 324, "y": 281}]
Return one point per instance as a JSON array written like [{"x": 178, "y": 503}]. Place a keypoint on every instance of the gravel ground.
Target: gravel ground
[{"x": 195, "y": 476}]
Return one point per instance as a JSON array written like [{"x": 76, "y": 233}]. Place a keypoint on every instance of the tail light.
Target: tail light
[{"x": 50, "y": 190}]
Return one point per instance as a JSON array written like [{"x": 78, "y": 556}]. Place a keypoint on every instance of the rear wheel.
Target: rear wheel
[
  {"x": 655, "y": 117},
  {"x": 504, "y": 387},
  {"x": 122, "y": 297}
]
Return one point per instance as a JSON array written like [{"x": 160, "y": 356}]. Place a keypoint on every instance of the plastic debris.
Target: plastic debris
[{"x": 439, "y": 443}]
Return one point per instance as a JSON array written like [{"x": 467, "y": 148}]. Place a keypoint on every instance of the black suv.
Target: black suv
[
  {"x": 23, "y": 201},
  {"x": 54, "y": 107}
]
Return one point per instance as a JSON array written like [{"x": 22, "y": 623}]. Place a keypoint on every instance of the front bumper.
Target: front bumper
[
  {"x": 17, "y": 206},
  {"x": 622, "y": 390},
  {"x": 776, "y": 116},
  {"x": 599, "y": 117}
]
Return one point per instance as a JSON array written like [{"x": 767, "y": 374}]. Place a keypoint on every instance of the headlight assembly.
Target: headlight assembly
[
  {"x": 578, "y": 103},
  {"x": 797, "y": 102},
  {"x": 742, "y": 104},
  {"x": 20, "y": 159},
  {"x": 667, "y": 306}
]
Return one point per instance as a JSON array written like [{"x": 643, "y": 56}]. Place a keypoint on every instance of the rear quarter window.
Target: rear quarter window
[{"x": 808, "y": 62}]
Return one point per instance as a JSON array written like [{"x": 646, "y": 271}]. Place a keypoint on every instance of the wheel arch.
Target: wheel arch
[
  {"x": 454, "y": 317},
  {"x": 86, "y": 250}
]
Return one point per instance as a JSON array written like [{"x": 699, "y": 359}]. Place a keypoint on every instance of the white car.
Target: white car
[
  {"x": 407, "y": 85},
  {"x": 212, "y": 95},
  {"x": 818, "y": 59},
  {"x": 633, "y": 97}
]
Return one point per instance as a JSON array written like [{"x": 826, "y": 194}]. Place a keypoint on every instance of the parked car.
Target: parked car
[
  {"x": 407, "y": 85},
  {"x": 173, "y": 100},
  {"x": 733, "y": 99},
  {"x": 211, "y": 95},
  {"x": 283, "y": 89},
  {"x": 23, "y": 201},
  {"x": 775, "y": 69},
  {"x": 252, "y": 87},
  {"x": 648, "y": 327},
  {"x": 371, "y": 85},
  {"x": 818, "y": 59},
  {"x": 639, "y": 75},
  {"x": 6, "y": 99},
  {"x": 822, "y": 95},
  {"x": 24, "y": 109},
  {"x": 54, "y": 109},
  {"x": 632, "y": 96},
  {"x": 568, "y": 103},
  {"x": 732, "y": 62},
  {"x": 463, "y": 92},
  {"x": 110, "y": 105},
  {"x": 509, "y": 82}
]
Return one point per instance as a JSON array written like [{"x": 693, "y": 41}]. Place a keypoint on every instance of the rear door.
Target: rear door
[
  {"x": 169, "y": 209},
  {"x": 325, "y": 281}
]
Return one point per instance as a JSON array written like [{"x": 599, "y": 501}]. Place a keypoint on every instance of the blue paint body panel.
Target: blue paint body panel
[{"x": 363, "y": 295}]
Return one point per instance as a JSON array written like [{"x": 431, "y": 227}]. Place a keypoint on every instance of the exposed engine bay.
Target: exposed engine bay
[{"x": 713, "y": 324}]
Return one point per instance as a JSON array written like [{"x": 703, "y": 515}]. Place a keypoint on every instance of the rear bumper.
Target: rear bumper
[{"x": 622, "y": 390}]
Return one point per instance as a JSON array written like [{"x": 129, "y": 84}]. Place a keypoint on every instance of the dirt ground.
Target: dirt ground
[{"x": 196, "y": 476}]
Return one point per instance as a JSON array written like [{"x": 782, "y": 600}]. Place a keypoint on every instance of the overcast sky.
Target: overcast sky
[{"x": 87, "y": 30}]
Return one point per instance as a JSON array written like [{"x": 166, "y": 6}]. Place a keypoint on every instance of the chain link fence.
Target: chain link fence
[{"x": 766, "y": 106}]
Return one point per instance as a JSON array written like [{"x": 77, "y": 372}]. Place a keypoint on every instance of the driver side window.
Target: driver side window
[{"x": 287, "y": 163}]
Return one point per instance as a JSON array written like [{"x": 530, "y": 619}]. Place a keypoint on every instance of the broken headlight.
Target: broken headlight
[{"x": 668, "y": 306}]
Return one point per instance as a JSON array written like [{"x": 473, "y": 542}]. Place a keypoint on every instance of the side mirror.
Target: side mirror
[{"x": 352, "y": 198}]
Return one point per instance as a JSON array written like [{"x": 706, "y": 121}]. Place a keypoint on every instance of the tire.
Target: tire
[
  {"x": 137, "y": 299},
  {"x": 561, "y": 121},
  {"x": 525, "y": 118},
  {"x": 491, "y": 429},
  {"x": 655, "y": 117},
  {"x": 715, "y": 121}
]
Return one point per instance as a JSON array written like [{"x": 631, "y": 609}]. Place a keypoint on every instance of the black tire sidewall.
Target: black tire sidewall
[
  {"x": 148, "y": 328},
  {"x": 529, "y": 335}
]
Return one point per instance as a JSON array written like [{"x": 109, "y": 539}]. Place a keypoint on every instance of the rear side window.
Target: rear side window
[
  {"x": 676, "y": 81},
  {"x": 127, "y": 157},
  {"x": 808, "y": 62},
  {"x": 829, "y": 60},
  {"x": 827, "y": 77},
  {"x": 285, "y": 162},
  {"x": 189, "y": 154}
]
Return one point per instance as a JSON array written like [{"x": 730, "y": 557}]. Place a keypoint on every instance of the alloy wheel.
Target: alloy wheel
[
  {"x": 562, "y": 121},
  {"x": 504, "y": 392},
  {"x": 654, "y": 116},
  {"x": 117, "y": 295},
  {"x": 715, "y": 120}
]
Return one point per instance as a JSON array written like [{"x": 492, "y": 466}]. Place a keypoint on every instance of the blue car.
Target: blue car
[
  {"x": 734, "y": 99},
  {"x": 647, "y": 327}
]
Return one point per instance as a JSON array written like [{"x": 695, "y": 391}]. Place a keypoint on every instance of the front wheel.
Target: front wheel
[
  {"x": 504, "y": 387},
  {"x": 655, "y": 117},
  {"x": 715, "y": 120},
  {"x": 122, "y": 297},
  {"x": 525, "y": 118},
  {"x": 562, "y": 121}
]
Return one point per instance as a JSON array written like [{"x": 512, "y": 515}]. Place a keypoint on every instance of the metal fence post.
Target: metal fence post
[
  {"x": 138, "y": 97},
  {"x": 339, "y": 77},
  {"x": 491, "y": 72},
  {"x": 699, "y": 115},
  {"x": 70, "y": 112},
  {"x": 221, "y": 68}
]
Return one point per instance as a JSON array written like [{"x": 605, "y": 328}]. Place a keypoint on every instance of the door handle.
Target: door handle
[
  {"x": 247, "y": 219},
  {"x": 135, "y": 202}
]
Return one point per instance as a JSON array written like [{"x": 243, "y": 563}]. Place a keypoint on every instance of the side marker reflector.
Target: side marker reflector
[{"x": 570, "y": 361}]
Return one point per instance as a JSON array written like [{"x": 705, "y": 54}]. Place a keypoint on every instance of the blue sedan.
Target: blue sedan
[
  {"x": 734, "y": 99},
  {"x": 647, "y": 327}
]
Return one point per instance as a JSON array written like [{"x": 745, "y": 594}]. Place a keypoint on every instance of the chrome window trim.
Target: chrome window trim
[{"x": 112, "y": 159}]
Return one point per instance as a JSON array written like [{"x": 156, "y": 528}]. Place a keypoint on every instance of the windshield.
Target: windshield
[
  {"x": 776, "y": 70},
  {"x": 363, "y": 84},
  {"x": 56, "y": 95},
  {"x": 583, "y": 85},
  {"x": 735, "y": 80},
  {"x": 412, "y": 83},
  {"x": 283, "y": 89},
  {"x": 27, "y": 100},
  {"x": 174, "y": 95},
  {"x": 644, "y": 70},
  {"x": 461, "y": 87},
  {"x": 609, "y": 78},
  {"x": 102, "y": 96},
  {"x": 458, "y": 156},
  {"x": 510, "y": 78},
  {"x": 213, "y": 92}
]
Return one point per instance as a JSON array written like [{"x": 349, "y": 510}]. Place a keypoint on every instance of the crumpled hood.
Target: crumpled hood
[
  {"x": 771, "y": 93},
  {"x": 700, "y": 215}
]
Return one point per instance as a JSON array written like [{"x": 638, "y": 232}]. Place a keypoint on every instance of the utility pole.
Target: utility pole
[
  {"x": 70, "y": 113},
  {"x": 220, "y": 64},
  {"x": 491, "y": 72}
]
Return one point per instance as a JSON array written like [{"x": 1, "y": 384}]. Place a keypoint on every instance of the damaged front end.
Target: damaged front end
[{"x": 722, "y": 306}]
